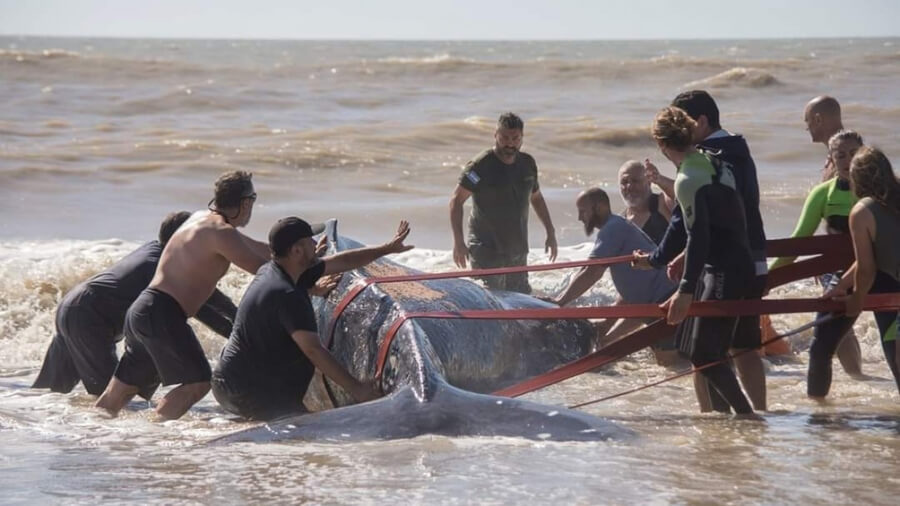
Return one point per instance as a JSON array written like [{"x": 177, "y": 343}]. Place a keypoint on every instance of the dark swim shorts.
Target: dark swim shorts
[
  {"x": 256, "y": 403},
  {"x": 160, "y": 345},
  {"x": 707, "y": 339}
]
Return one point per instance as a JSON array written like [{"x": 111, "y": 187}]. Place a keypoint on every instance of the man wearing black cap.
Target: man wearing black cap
[{"x": 268, "y": 362}]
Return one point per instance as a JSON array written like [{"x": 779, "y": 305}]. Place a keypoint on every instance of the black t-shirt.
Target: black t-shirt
[
  {"x": 114, "y": 289},
  {"x": 501, "y": 195},
  {"x": 261, "y": 355}
]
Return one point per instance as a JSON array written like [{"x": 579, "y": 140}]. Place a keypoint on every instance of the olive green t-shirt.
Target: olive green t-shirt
[{"x": 501, "y": 195}]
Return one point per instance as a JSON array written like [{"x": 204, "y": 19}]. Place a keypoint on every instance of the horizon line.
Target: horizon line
[{"x": 386, "y": 39}]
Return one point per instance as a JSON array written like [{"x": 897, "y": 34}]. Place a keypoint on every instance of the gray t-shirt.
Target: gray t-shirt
[{"x": 621, "y": 237}]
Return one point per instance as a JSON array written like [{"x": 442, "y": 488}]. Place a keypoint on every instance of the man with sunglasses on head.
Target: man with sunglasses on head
[{"x": 160, "y": 346}]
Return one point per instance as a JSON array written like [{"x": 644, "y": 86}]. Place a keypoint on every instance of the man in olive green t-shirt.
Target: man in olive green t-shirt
[{"x": 503, "y": 182}]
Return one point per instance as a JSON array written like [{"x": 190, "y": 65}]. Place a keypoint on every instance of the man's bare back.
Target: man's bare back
[{"x": 199, "y": 254}]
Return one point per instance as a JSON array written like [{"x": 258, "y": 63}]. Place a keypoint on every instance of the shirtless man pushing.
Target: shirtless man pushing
[{"x": 159, "y": 344}]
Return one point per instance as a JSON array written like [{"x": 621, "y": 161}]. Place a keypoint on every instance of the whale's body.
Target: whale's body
[{"x": 438, "y": 373}]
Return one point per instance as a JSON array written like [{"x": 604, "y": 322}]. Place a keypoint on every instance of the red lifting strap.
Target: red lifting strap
[
  {"x": 425, "y": 276},
  {"x": 813, "y": 245},
  {"x": 692, "y": 370},
  {"x": 875, "y": 302},
  {"x": 838, "y": 247},
  {"x": 623, "y": 347}
]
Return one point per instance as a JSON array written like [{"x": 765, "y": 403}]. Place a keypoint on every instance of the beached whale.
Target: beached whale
[{"x": 439, "y": 372}]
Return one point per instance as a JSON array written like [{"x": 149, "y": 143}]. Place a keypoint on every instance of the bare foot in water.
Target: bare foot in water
[
  {"x": 752, "y": 416},
  {"x": 821, "y": 401},
  {"x": 104, "y": 413}
]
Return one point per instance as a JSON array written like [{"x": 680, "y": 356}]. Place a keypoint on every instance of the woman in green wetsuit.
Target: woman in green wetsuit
[
  {"x": 831, "y": 202},
  {"x": 875, "y": 227}
]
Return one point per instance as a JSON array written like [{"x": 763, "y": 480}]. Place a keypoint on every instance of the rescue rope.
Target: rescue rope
[
  {"x": 725, "y": 308},
  {"x": 693, "y": 370},
  {"x": 835, "y": 253}
]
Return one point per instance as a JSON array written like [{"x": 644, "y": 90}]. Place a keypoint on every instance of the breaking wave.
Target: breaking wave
[{"x": 738, "y": 76}]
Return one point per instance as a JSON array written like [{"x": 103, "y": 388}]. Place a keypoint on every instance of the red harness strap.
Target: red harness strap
[
  {"x": 876, "y": 302},
  {"x": 426, "y": 276},
  {"x": 838, "y": 247},
  {"x": 693, "y": 370},
  {"x": 839, "y": 255},
  {"x": 623, "y": 347},
  {"x": 812, "y": 245}
]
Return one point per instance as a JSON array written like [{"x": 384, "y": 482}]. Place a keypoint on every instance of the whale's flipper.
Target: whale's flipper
[{"x": 449, "y": 412}]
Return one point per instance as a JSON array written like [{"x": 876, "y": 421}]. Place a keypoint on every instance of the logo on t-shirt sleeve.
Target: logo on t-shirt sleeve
[{"x": 473, "y": 177}]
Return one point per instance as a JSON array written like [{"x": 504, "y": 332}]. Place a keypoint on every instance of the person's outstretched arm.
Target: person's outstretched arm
[
  {"x": 582, "y": 282},
  {"x": 355, "y": 258},
  {"x": 810, "y": 216}
]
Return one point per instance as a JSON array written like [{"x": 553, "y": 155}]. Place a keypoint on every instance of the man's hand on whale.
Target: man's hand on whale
[
  {"x": 325, "y": 285},
  {"x": 312, "y": 347},
  {"x": 355, "y": 258}
]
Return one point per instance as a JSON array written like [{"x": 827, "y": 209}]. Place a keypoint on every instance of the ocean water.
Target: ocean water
[{"x": 101, "y": 138}]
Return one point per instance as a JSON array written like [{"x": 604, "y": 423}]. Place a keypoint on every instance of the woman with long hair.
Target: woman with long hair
[{"x": 875, "y": 228}]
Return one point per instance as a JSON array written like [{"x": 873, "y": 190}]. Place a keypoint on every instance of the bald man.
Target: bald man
[
  {"x": 649, "y": 211},
  {"x": 822, "y": 116}
]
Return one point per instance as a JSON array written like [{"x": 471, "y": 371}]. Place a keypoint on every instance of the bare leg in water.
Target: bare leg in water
[
  {"x": 116, "y": 396},
  {"x": 850, "y": 355},
  {"x": 753, "y": 377},
  {"x": 752, "y": 374},
  {"x": 180, "y": 399}
]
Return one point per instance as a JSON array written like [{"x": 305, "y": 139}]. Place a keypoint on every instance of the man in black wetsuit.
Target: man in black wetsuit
[
  {"x": 269, "y": 360},
  {"x": 732, "y": 149},
  {"x": 90, "y": 318}
]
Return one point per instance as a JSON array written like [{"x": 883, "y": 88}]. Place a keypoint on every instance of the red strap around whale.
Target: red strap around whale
[
  {"x": 839, "y": 251},
  {"x": 875, "y": 302},
  {"x": 839, "y": 256},
  {"x": 426, "y": 276}
]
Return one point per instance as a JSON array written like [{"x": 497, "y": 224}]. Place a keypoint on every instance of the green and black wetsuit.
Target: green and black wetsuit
[
  {"x": 718, "y": 249},
  {"x": 832, "y": 202}
]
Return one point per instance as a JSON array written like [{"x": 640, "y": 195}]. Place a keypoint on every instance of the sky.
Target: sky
[{"x": 449, "y": 19}]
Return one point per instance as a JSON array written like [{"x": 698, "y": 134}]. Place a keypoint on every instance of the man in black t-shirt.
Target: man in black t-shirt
[
  {"x": 268, "y": 363},
  {"x": 90, "y": 318},
  {"x": 503, "y": 182}
]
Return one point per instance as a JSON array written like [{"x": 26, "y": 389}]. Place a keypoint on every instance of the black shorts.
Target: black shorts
[
  {"x": 256, "y": 403},
  {"x": 705, "y": 340},
  {"x": 84, "y": 348},
  {"x": 160, "y": 345}
]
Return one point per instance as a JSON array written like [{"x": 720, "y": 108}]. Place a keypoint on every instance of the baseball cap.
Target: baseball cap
[{"x": 287, "y": 231}]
